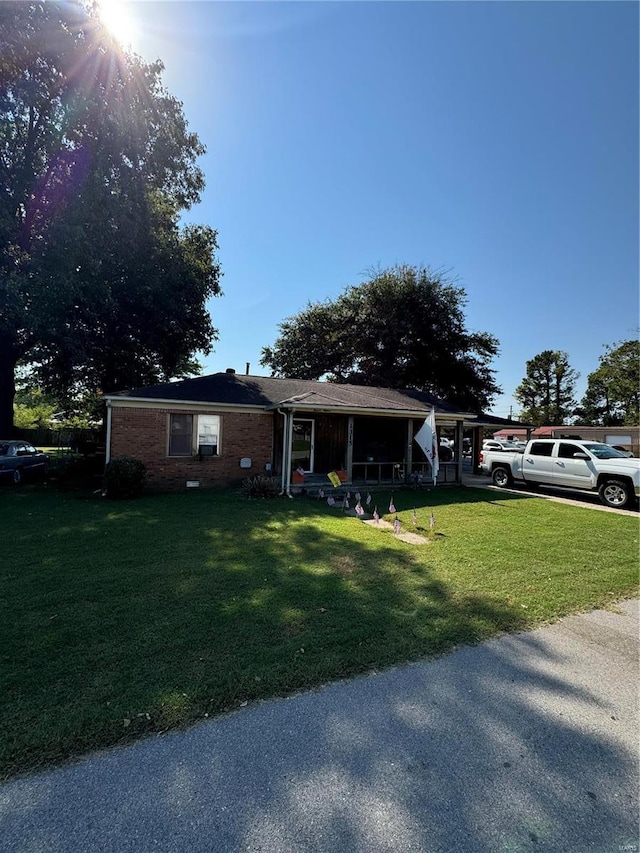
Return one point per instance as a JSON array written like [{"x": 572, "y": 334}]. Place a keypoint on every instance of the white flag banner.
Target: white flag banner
[{"x": 427, "y": 439}]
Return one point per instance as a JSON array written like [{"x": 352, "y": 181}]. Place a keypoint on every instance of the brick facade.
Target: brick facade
[{"x": 143, "y": 433}]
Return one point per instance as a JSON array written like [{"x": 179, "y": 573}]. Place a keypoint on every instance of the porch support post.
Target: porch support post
[
  {"x": 283, "y": 462},
  {"x": 289, "y": 449},
  {"x": 477, "y": 447},
  {"x": 350, "y": 448},
  {"x": 458, "y": 447},
  {"x": 408, "y": 468}
]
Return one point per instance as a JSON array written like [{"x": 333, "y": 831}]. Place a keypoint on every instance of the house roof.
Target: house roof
[{"x": 269, "y": 392}]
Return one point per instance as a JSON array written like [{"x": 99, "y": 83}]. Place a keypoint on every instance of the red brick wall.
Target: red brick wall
[{"x": 143, "y": 433}]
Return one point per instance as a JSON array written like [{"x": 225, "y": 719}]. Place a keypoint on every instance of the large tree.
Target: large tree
[
  {"x": 403, "y": 328},
  {"x": 546, "y": 392},
  {"x": 100, "y": 286},
  {"x": 613, "y": 390}
]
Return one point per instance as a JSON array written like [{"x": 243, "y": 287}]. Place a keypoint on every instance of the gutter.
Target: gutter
[{"x": 177, "y": 405}]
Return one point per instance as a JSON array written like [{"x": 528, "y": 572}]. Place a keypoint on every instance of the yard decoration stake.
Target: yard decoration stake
[
  {"x": 376, "y": 516},
  {"x": 415, "y": 517},
  {"x": 396, "y": 526},
  {"x": 368, "y": 500},
  {"x": 432, "y": 521},
  {"x": 392, "y": 506}
]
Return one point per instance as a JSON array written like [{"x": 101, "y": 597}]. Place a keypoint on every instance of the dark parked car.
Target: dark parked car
[{"x": 19, "y": 459}]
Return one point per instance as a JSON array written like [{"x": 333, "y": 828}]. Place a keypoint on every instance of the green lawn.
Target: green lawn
[{"x": 118, "y": 619}]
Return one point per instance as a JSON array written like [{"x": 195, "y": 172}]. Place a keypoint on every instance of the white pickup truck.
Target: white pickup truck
[{"x": 584, "y": 465}]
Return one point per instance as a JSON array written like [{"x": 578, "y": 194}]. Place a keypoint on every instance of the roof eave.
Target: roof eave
[
  {"x": 367, "y": 410},
  {"x": 122, "y": 401}
]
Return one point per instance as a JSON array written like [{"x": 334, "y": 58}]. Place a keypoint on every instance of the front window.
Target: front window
[
  {"x": 567, "y": 451},
  {"x": 603, "y": 451},
  {"x": 191, "y": 434},
  {"x": 208, "y": 434},
  {"x": 181, "y": 435}
]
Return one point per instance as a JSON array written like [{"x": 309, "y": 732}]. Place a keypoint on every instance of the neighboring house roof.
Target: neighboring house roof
[
  {"x": 550, "y": 431},
  {"x": 510, "y": 426},
  {"x": 268, "y": 392}
]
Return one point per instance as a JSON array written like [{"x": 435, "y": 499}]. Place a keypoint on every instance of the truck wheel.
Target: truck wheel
[
  {"x": 615, "y": 493},
  {"x": 501, "y": 477}
]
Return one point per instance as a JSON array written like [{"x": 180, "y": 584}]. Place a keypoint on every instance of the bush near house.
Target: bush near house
[{"x": 124, "y": 477}]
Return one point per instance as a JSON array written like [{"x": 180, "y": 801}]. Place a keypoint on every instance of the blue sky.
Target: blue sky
[{"x": 498, "y": 141}]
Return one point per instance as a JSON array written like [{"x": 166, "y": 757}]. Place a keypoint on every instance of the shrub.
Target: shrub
[
  {"x": 124, "y": 477},
  {"x": 76, "y": 474},
  {"x": 259, "y": 486}
]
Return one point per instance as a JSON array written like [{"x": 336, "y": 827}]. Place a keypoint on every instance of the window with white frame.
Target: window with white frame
[
  {"x": 191, "y": 434},
  {"x": 208, "y": 435}
]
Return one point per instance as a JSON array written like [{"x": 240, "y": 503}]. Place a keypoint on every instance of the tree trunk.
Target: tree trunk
[{"x": 8, "y": 361}]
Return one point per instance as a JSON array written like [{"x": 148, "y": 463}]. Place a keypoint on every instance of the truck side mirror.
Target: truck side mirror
[{"x": 580, "y": 455}]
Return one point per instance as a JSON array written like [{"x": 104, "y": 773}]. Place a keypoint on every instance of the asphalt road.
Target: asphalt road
[{"x": 525, "y": 743}]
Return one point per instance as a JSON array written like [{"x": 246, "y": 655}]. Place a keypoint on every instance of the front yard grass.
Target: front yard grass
[{"x": 120, "y": 619}]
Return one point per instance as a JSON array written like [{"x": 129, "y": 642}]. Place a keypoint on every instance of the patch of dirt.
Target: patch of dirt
[{"x": 344, "y": 565}]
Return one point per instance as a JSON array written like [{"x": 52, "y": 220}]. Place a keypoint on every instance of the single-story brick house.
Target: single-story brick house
[{"x": 214, "y": 430}]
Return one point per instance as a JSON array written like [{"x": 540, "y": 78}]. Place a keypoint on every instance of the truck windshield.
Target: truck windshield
[{"x": 603, "y": 451}]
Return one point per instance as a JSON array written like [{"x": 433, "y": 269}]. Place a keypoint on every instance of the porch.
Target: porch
[
  {"x": 375, "y": 476},
  {"x": 369, "y": 451}
]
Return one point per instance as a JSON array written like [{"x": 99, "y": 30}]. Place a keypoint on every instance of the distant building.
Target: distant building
[{"x": 625, "y": 436}]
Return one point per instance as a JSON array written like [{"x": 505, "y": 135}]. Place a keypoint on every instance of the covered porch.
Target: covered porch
[{"x": 366, "y": 449}]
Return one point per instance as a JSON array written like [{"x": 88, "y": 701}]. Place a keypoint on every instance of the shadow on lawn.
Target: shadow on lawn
[
  {"x": 137, "y": 617},
  {"x": 177, "y": 608},
  {"x": 504, "y": 747}
]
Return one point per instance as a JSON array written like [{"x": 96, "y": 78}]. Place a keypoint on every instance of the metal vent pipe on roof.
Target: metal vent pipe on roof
[
  {"x": 230, "y": 370},
  {"x": 247, "y": 369}
]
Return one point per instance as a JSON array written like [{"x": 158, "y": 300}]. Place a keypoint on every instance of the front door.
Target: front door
[{"x": 302, "y": 445}]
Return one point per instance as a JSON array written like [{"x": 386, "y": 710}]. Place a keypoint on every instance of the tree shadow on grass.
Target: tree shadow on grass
[
  {"x": 501, "y": 747},
  {"x": 138, "y": 617}
]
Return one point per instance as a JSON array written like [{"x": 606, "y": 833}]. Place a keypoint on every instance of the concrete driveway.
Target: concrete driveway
[
  {"x": 525, "y": 743},
  {"x": 573, "y": 497}
]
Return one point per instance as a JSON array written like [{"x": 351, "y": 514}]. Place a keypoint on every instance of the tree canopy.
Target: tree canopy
[
  {"x": 612, "y": 397},
  {"x": 100, "y": 285},
  {"x": 403, "y": 328},
  {"x": 546, "y": 392}
]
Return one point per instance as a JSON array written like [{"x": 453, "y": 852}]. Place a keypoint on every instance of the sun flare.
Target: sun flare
[{"x": 116, "y": 17}]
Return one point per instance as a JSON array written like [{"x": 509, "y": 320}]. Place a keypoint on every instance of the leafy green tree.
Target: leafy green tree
[
  {"x": 612, "y": 397},
  {"x": 33, "y": 409},
  {"x": 546, "y": 392},
  {"x": 403, "y": 328},
  {"x": 100, "y": 286}
]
